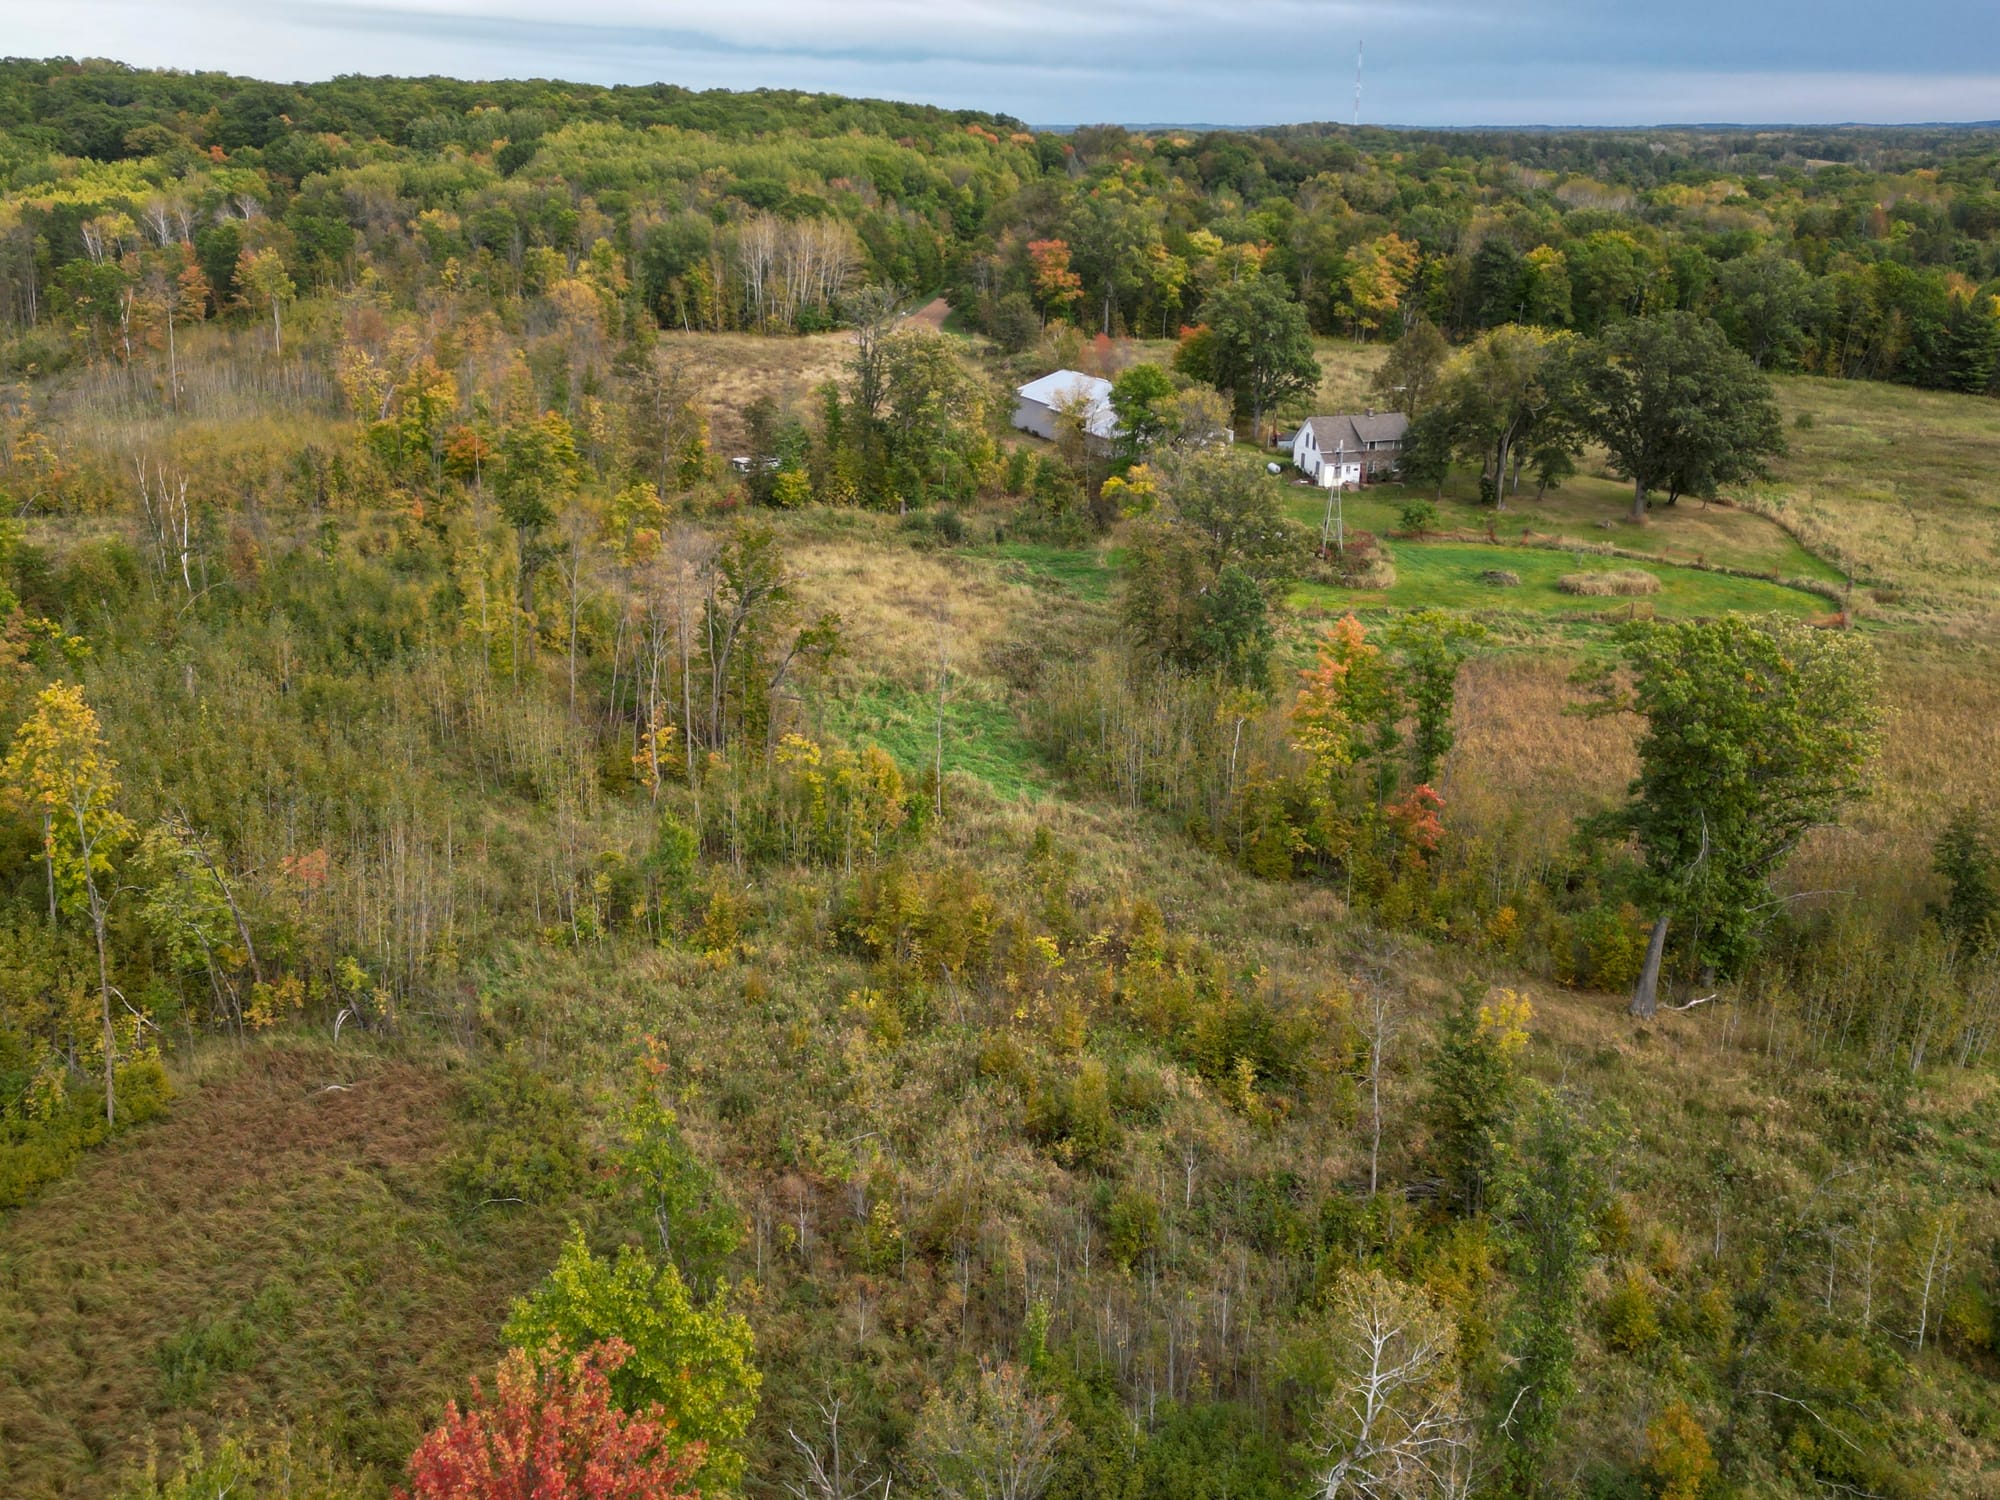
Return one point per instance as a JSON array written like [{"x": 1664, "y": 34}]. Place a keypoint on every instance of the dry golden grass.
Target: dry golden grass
[
  {"x": 1346, "y": 368},
  {"x": 1611, "y": 582},
  {"x": 895, "y": 600},
  {"x": 733, "y": 369},
  {"x": 1941, "y": 741},
  {"x": 1898, "y": 486},
  {"x": 1518, "y": 757},
  {"x": 1940, "y": 748}
]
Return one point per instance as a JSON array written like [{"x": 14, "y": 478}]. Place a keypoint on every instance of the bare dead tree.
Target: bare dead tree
[
  {"x": 1381, "y": 1019},
  {"x": 169, "y": 522},
  {"x": 833, "y": 1465},
  {"x": 166, "y": 219},
  {"x": 1392, "y": 1429},
  {"x": 1943, "y": 1243},
  {"x": 995, "y": 1442}
]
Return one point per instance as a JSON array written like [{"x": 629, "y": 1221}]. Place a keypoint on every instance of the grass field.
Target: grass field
[
  {"x": 1448, "y": 575},
  {"x": 900, "y": 605},
  {"x": 1090, "y": 573},
  {"x": 282, "y": 1244},
  {"x": 1899, "y": 485},
  {"x": 1593, "y": 511},
  {"x": 982, "y": 737},
  {"x": 733, "y": 369},
  {"x": 981, "y": 612},
  {"x": 1890, "y": 484}
]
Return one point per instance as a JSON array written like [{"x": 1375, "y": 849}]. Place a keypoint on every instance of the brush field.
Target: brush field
[{"x": 1032, "y": 1068}]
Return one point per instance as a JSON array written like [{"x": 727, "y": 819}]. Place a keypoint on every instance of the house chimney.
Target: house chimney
[{"x": 1371, "y": 411}]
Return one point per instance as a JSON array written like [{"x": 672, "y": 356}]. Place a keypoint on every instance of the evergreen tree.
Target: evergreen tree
[
  {"x": 1965, "y": 857},
  {"x": 1547, "y": 1198},
  {"x": 1469, "y": 1095}
]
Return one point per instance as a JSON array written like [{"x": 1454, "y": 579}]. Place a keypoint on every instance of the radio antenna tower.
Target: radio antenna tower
[{"x": 1358, "y": 46}]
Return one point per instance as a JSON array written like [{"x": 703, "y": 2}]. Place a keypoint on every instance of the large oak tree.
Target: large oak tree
[{"x": 1677, "y": 408}]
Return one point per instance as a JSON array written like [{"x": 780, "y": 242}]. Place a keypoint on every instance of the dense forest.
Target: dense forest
[
  {"x": 1868, "y": 253},
  {"x": 610, "y": 887}
]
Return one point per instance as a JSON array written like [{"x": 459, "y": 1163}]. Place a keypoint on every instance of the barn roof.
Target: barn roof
[{"x": 1064, "y": 386}]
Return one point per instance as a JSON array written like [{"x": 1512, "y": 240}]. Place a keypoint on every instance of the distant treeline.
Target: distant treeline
[{"x": 1843, "y": 251}]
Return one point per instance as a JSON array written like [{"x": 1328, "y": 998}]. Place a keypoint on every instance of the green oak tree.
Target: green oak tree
[
  {"x": 1237, "y": 512},
  {"x": 1136, "y": 399},
  {"x": 1408, "y": 379},
  {"x": 1497, "y": 396},
  {"x": 1676, "y": 407}
]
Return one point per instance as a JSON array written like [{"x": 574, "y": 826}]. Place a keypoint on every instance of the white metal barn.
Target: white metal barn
[{"x": 1037, "y": 403}]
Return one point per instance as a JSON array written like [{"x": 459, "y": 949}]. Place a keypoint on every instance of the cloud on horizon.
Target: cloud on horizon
[{"x": 1241, "y": 62}]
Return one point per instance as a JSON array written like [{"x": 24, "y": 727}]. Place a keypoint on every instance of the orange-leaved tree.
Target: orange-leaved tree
[
  {"x": 1058, "y": 285},
  {"x": 550, "y": 1431},
  {"x": 1347, "y": 707}
]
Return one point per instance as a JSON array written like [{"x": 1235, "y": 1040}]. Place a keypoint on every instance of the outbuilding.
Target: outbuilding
[{"x": 1038, "y": 404}]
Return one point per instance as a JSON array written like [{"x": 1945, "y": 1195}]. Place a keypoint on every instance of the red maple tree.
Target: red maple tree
[
  {"x": 1416, "y": 817},
  {"x": 550, "y": 1432}
]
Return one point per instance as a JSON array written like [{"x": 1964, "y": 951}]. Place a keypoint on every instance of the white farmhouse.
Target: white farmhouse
[
  {"x": 1037, "y": 404},
  {"x": 1350, "y": 449}
]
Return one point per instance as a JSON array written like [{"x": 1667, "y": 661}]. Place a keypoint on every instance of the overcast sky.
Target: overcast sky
[{"x": 1429, "y": 62}]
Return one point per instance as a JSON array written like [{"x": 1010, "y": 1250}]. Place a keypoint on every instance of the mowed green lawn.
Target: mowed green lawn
[
  {"x": 1447, "y": 575},
  {"x": 1445, "y": 568},
  {"x": 1446, "y": 572},
  {"x": 1087, "y": 571},
  {"x": 1590, "y": 510}
]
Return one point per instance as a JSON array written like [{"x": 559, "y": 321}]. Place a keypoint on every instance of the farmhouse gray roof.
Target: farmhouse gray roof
[{"x": 1358, "y": 430}]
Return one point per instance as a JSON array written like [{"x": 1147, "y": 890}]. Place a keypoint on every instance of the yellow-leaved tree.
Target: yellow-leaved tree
[
  {"x": 267, "y": 284},
  {"x": 61, "y": 769}
]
